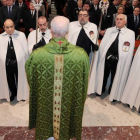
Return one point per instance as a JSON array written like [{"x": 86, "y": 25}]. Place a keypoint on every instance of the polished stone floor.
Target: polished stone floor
[{"x": 102, "y": 120}]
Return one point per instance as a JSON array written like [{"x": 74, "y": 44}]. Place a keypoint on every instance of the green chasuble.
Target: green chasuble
[{"x": 58, "y": 76}]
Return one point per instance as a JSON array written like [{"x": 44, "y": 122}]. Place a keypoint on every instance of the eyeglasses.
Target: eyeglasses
[{"x": 84, "y": 15}]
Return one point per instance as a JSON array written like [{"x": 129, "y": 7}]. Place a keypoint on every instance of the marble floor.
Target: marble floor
[{"x": 102, "y": 120}]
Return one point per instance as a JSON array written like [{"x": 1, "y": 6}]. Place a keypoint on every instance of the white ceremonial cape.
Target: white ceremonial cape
[
  {"x": 21, "y": 50},
  {"x": 74, "y": 30},
  {"x": 126, "y": 48},
  {"x": 32, "y": 38},
  {"x": 131, "y": 94}
]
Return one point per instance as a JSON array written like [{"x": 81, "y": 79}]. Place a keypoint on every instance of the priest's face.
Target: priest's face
[
  {"x": 83, "y": 17},
  {"x": 9, "y": 27},
  {"x": 42, "y": 24},
  {"x": 121, "y": 21}
]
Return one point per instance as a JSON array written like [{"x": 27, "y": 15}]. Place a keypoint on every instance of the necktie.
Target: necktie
[
  {"x": 9, "y": 12},
  {"x": 11, "y": 43},
  {"x": 105, "y": 14},
  {"x": 95, "y": 7},
  {"x": 136, "y": 22},
  {"x": 114, "y": 46},
  {"x": 32, "y": 14},
  {"x": 20, "y": 5},
  {"x": 43, "y": 40}
]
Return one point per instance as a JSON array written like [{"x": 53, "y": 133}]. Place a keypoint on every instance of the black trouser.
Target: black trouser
[
  {"x": 12, "y": 78},
  {"x": 109, "y": 67}
]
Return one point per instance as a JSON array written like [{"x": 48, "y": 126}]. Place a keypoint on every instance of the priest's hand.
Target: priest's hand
[{"x": 113, "y": 58}]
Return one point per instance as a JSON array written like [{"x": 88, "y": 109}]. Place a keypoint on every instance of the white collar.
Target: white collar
[
  {"x": 123, "y": 30},
  {"x": 84, "y": 26},
  {"x": 14, "y": 34},
  {"x": 47, "y": 34}
]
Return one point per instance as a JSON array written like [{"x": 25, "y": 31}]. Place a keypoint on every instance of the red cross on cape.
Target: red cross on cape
[{"x": 60, "y": 42}]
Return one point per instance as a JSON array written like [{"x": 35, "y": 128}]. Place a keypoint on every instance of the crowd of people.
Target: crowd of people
[
  {"x": 52, "y": 65},
  {"x": 114, "y": 7},
  {"x": 23, "y": 13}
]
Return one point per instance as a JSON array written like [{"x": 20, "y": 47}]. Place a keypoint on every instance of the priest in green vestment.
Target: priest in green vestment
[{"x": 58, "y": 76}]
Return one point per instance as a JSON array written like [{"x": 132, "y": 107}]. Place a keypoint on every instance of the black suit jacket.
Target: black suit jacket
[
  {"x": 70, "y": 8},
  {"x": 30, "y": 22},
  {"x": 92, "y": 9},
  {"x": 15, "y": 15},
  {"x": 22, "y": 9},
  {"x": 129, "y": 10},
  {"x": 107, "y": 22},
  {"x": 131, "y": 24}
]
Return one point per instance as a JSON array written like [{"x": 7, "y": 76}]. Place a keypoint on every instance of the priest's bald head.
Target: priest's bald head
[
  {"x": 59, "y": 26},
  {"x": 121, "y": 20},
  {"x": 9, "y": 26}
]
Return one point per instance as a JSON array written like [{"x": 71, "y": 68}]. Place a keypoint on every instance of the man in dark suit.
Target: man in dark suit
[
  {"x": 23, "y": 7},
  {"x": 86, "y": 6},
  {"x": 130, "y": 9},
  {"x": 133, "y": 21},
  {"x": 94, "y": 6},
  {"x": 72, "y": 4},
  {"x": 113, "y": 7},
  {"x": 29, "y": 19},
  {"x": 10, "y": 12},
  {"x": 107, "y": 20},
  {"x": 76, "y": 10}
]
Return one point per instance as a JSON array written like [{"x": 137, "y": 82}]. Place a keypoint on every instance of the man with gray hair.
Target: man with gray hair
[
  {"x": 58, "y": 75},
  {"x": 115, "y": 56}
]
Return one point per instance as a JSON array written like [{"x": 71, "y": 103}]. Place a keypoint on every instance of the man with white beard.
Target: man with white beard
[{"x": 115, "y": 56}]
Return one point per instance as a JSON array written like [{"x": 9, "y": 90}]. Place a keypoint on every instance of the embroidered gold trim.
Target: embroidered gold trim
[{"x": 58, "y": 79}]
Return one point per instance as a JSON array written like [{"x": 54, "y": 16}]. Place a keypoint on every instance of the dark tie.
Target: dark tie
[
  {"x": 32, "y": 14},
  {"x": 136, "y": 22},
  {"x": 114, "y": 46},
  {"x": 9, "y": 12},
  {"x": 105, "y": 14},
  {"x": 43, "y": 40}
]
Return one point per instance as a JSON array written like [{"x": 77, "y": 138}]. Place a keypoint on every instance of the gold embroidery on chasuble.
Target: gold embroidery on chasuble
[{"x": 58, "y": 79}]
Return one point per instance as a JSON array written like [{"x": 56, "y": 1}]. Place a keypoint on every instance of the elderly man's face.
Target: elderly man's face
[
  {"x": 9, "y": 2},
  {"x": 31, "y": 6},
  {"x": 135, "y": 2},
  {"x": 9, "y": 27},
  {"x": 120, "y": 21},
  {"x": 136, "y": 11},
  {"x": 83, "y": 17},
  {"x": 4, "y": 2},
  {"x": 86, "y": 7},
  {"x": 42, "y": 24}
]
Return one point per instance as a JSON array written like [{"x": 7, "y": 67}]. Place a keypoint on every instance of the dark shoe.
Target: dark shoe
[
  {"x": 97, "y": 94},
  {"x": 114, "y": 101},
  {"x": 12, "y": 98},
  {"x": 23, "y": 100}
]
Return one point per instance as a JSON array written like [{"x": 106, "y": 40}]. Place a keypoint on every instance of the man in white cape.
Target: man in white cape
[
  {"x": 125, "y": 53},
  {"x": 21, "y": 52},
  {"x": 43, "y": 33},
  {"x": 85, "y": 39},
  {"x": 131, "y": 94}
]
